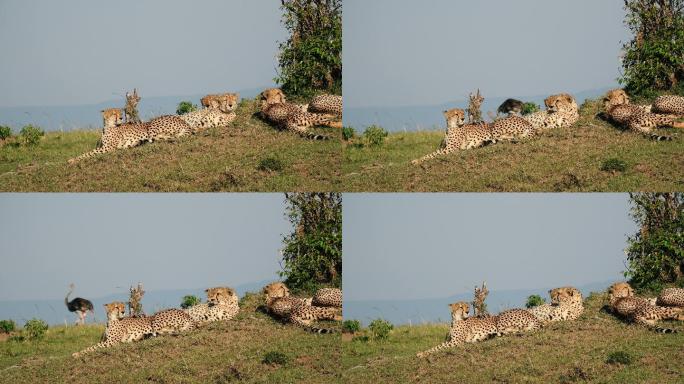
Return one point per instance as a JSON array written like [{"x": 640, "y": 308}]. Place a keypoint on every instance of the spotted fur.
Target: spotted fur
[
  {"x": 329, "y": 104},
  {"x": 297, "y": 311},
  {"x": 635, "y": 118},
  {"x": 328, "y": 297},
  {"x": 561, "y": 111},
  {"x": 640, "y": 311},
  {"x": 566, "y": 304},
  {"x": 669, "y": 104},
  {"x": 671, "y": 297},
  {"x": 220, "y": 112},
  {"x": 172, "y": 321},
  {"x": 275, "y": 109},
  {"x": 222, "y": 304}
]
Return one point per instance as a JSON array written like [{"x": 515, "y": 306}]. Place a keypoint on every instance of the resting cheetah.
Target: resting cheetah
[
  {"x": 121, "y": 329},
  {"x": 465, "y": 329},
  {"x": 213, "y": 101},
  {"x": 561, "y": 111},
  {"x": 297, "y": 311},
  {"x": 327, "y": 297},
  {"x": 460, "y": 136},
  {"x": 669, "y": 104},
  {"x": 276, "y": 109},
  {"x": 331, "y": 104},
  {"x": 171, "y": 321},
  {"x": 222, "y": 304},
  {"x": 566, "y": 304},
  {"x": 219, "y": 114},
  {"x": 511, "y": 128},
  {"x": 111, "y": 117},
  {"x": 635, "y": 118},
  {"x": 640, "y": 311},
  {"x": 516, "y": 321},
  {"x": 671, "y": 297}
]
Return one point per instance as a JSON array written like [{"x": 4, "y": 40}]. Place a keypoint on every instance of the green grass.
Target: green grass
[
  {"x": 253, "y": 348},
  {"x": 595, "y": 348},
  {"x": 568, "y": 159},
  {"x": 219, "y": 159}
]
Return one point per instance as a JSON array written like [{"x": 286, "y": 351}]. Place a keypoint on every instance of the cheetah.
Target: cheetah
[
  {"x": 510, "y": 107},
  {"x": 171, "y": 321},
  {"x": 459, "y": 135},
  {"x": 516, "y": 321},
  {"x": 511, "y": 128},
  {"x": 671, "y": 297},
  {"x": 327, "y": 297},
  {"x": 275, "y": 109},
  {"x": 111, "y": 117},
  {"x": 297, "y": 311},
  {"x": 213, "y": 101},
  {"x": 222, "y": 304},
  {"x": 669, "y": 104},
  {"x": 640, "y": 311},
  {"x": 219, "y": 114},
  {"x": 464, "y": 329},
  {"x": 566, "y": 304},
  {"x": 561, "y": 111},
  {"x": 121, "y": 329},
  {"x": 331, "y": 104},
  {"x": 636, "y": 118}
]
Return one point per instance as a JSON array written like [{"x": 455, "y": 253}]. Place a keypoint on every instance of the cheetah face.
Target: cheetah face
[
  {"x": 220, "y": 295},
  {"x": 112, "y": 117},
  {"x": 454, "y": 117},
  {"x": 275, "y": 290},
  {"x": 272, "y": 96},
  {"x": 559, "y": 295},
  {"x": 615, "y": 97},
  {"x": 619, "y": 290},
  {"x": 555, "y": 103},
  {"x": 115, "y": 310},
  {"x": 228, "y": 102},
  {"x": 459, "y": 310}
]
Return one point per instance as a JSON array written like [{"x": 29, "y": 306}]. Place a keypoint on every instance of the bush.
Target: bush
[
  {"x": 529, "y": 107},
  {"x": 189, "y": 300},
  {"x": 31, "y": 134},
  {"x": 7, "y": 326},
  {"x": 269, "y": 164},
  {"x": 35, "y": 329},
  {"x": 275, "y": 358},
  {"x": 185, "y": 107},
  {"x": 351, "y": 326},
  {"x": 375, "y": 135},
  {"x": 380, "y": 329},
  {"x": 614, "y": 165},
  {"x": 348, "y": 133},
  {"x": 619, "y": 357},
  {"x": 534, "y": 301},
  {"x": 5, "y": 132}
]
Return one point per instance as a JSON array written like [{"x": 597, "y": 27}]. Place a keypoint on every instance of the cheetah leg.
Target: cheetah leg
[
  {"x": 440, "y": 152},
  {"x": 445, "y": 345},
  {"x": 645, "y": 130}
]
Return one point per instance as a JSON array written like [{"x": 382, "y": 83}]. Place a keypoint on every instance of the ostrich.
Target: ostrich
[{"x": 82, "y": 306}]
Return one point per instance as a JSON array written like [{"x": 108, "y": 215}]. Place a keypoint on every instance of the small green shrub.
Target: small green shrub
[
  {"x": 185, "y": 107},
  {"x": 7, "y": 326},
  {"x": 348, "y": 133},
  {"x": 375, "y": 135},
  {"x": 351, "y": 326},
  {"x": 534, "y": 300},
  {"x": 380, "y": 329},
  {"x": 619, "y": 357},
  {"x": 614, "y": 165},
  {"x": 5, "y": 132},
  {"x": 270, "y": 164},
  {"x": 189, "y": 300},
  {"x": 35, "y": 329},
  {"x": 275, "y": 358},
  {"x": 529, "y": 107},
  {"x": 31, "y": 134}
]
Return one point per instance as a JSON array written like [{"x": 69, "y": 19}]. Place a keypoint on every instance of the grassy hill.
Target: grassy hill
[
  {"x": 221, "y": 352},
  {"x": 569, "y": 159},
  {"x": 595, "y": 348},
  {"x": 220, "y": 159}
]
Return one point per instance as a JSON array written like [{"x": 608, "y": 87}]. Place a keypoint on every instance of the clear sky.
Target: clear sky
[
  {"x": 421, "y": 246},
  {"x": 84, "y": 51},
  {"x": 400, "y": 52},
  {"x": 106, "y": 242}
]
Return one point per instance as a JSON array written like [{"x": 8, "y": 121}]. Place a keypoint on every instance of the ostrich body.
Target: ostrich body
[{"x": 79, "y": 305}]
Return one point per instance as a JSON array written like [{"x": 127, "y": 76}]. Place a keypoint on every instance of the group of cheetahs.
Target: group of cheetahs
[
  {"x": 221, "y": 305},
  {"x": 566, "y": 304}
]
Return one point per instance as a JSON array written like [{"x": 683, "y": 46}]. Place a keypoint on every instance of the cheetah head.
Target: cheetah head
[
  {"x": 562, "y": 101},
  {"x": 619, "y": 290},
  {"x": 219, "y": 295},
  {"x": 565, "y": 294},
  {"x": 112, "y": 117},
  {"x": 459, "y": 310},
  {"x": 455, "y": 117},
  {"x": 115, "y": 310},
  {"x": 210, "y": 101},
  {"x": 228, "y": 102},
  {"x": 275, "y": 290},
  {"x": 615, "y": 97},
  {"x": 271, "y": 96}
]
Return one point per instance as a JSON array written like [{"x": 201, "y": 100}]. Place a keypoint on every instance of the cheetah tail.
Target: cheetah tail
[
  {"x": 433, "y": 350},
  {"x": 320, "y": 330},
  {"x": 664, "y": 330},
  {"x": 315, "y": 136},
  {"x": 656, "y": 137}
]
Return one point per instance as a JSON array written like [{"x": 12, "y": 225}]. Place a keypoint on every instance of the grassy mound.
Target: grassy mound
[
  {"x": 219, "y": 159},
  {"x": 568, "y": 159}
]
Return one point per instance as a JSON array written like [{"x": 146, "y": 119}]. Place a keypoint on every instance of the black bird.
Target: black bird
[{"x": 79, "y": 305}]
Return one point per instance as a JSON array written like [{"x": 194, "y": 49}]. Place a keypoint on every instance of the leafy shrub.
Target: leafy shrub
[
  {"x": 185, "y": 107},
  {"x": 348, "y": 133},
  {"x": 7, "y": 326},
  {"x": 351, "y": 326},
  {"x": 189, "y": 300},
  {"x": 375, "y": 135},
  {"x": 31, "y": 134},
  {"x": 534, "y": 300},
  {"x": 5, "y": 132},
  {"x": 614, "y": 165},
  {"x": 529, "y": 107},
  {"x": 380, "y": 329},
  {"x": 35, "y": 329},
  {"x": 270, "y": 164},
  {"x": 275, "y": 358},
  {"x": 619, "y": 357}
]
